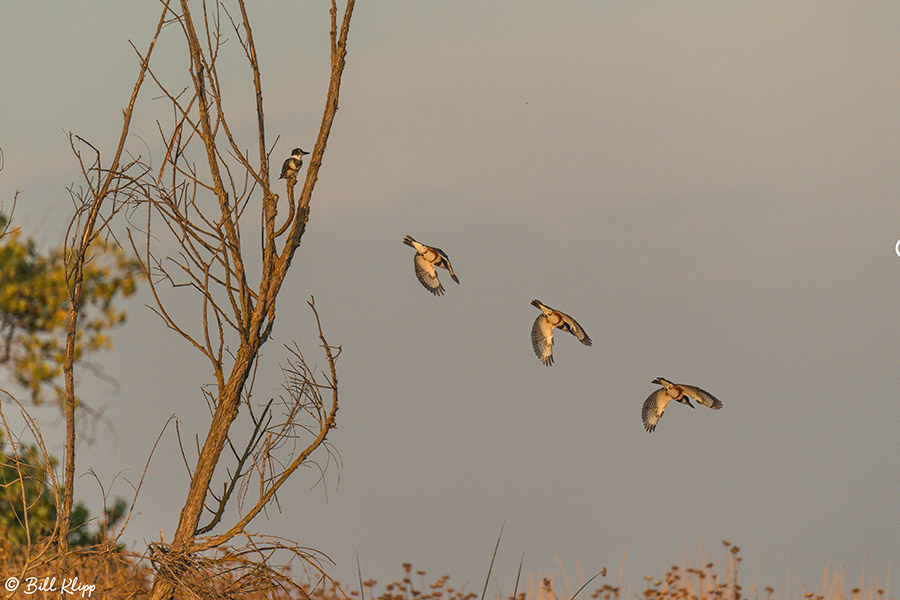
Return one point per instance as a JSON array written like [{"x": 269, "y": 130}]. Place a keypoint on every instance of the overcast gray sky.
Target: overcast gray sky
[{"x": 710, "y": 189}]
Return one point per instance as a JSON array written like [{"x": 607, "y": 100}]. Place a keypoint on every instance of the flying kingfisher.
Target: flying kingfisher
[
  {"x": 542, "y": 331},
  {"x": 425, "y": 261},
  {"x": 655, "y": 405},
  {"x": 292, "y": 165}
]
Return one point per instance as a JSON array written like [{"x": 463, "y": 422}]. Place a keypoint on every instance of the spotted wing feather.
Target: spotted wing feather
[
  {"x": 572, "y": 326},
  {"x": 444, "y": 262},
  {"x": 542, "y": 339},
  {"x": 653, "y": 409},
  {"x": 702, "y": 396},
  {"x": 427, "y": 276}
]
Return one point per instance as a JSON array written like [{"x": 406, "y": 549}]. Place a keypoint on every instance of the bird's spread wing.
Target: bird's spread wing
[
  {"x": 445, "y": 263},
  {"x": 653, "y": 409},
  {"x": 702, "y": 396},
  {"x": 572, "y": 326},
  {"x": 427, "y": 276},
  {"x": 542, "y": 339}
]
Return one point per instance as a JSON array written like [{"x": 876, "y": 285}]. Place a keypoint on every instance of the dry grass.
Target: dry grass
[
  {"x": 117, "y": 575},
  {"x": 680, "y": 582},
  {"x": 112, "y": 573}
]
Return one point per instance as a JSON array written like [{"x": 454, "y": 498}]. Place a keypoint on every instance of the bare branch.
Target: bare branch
[
  {"x": 105, "y": 187},
  {"x": 258, "y": 429},
  {"x": 197, "y": 199},
  {"x": 305, "y": 389}
]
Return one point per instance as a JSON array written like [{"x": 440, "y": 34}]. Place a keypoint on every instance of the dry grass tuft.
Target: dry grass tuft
[
  {"x": 112, "y": 573},
  {"x": 120, "y": 575}
]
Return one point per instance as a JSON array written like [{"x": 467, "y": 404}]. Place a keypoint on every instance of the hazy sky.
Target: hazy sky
[{"x": 710, "y": 189}]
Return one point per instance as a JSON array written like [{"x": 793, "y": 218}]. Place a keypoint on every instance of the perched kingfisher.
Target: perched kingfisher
[
  {"x": 292, "y": 165},
  {"x": 425, "y": 261},
  {"x": 542, "y": 331},
  {"x": 655, "y": 405}
]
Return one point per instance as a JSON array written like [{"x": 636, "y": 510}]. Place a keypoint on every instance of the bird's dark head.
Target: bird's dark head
[
  {"x": 298, "y": 152},
  {"x": 659, "y": 381}
]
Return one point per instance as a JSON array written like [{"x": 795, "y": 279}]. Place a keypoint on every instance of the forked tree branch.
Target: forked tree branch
[
  {"x": 75, "y": 259},
  {"x": 328, "y": 423},
  {"x": 258, "y": 430},
  {"x": 212, "y": 262}
]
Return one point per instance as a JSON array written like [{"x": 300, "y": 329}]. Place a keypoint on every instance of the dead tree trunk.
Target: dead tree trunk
[{"x": 213, "y": 262}]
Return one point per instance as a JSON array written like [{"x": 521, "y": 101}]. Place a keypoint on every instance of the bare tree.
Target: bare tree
[
  {"x": 198, "y": 199},
  {"x": 106, "y": 190}
]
